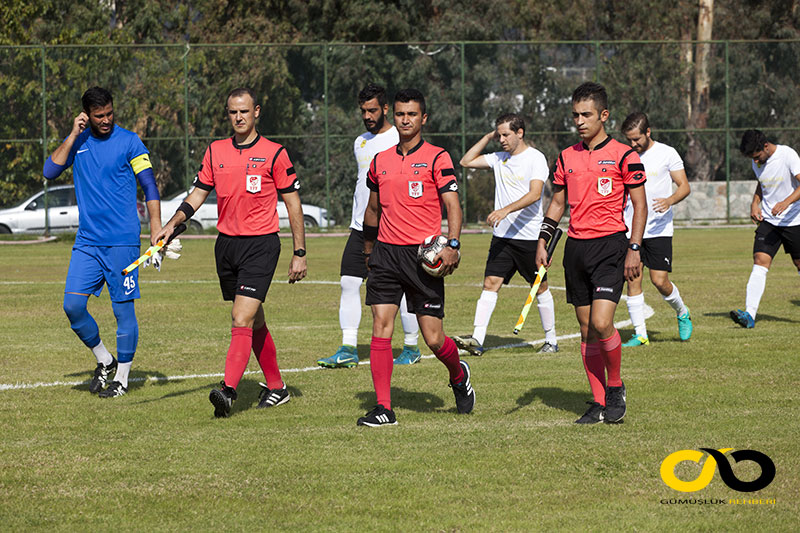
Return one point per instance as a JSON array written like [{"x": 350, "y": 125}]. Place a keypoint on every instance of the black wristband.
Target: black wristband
[
  {"x": 548, "y": 229},
  {"x": 187, "y": 209},
  {"x": 370, "y": 233}
]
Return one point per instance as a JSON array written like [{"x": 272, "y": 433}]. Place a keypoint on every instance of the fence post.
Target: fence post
[
  {"x": 187, "y": 178},
  {"x": 463, "y": 135},
  {"x": 727, "y": 137},
  {"x": 327, "y": 137},
  {"x": 44, "y": 143}
]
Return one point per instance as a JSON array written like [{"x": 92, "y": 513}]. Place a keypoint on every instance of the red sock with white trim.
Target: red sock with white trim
[
  {"x": 381, "y": 364},
  {"x": 595, "y": 370},
  {"x": 448, "y": 354},
  {"x": 611, "y": 349},
  {"x": 238, "y": 355},
  {"x": 267, "y": 356}
]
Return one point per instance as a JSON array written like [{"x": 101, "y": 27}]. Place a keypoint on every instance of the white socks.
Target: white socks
[
  {"x": 755, "y": 289},
  {"x": 123, "y": 369},
  {"x": 410, "y": 325},
  {"x": 636, "y": 311},
  {"x": 483, "y": 313},
  {"x": 350, "y": 309},
  {"x": 675, "y": 301},
  {"x": 547, "y": 314},
  {"x": 102, "y": 354}
]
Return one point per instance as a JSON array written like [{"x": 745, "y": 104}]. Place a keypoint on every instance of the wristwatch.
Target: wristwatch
[
  {"x": 633, "y": 246},
  {"x": 300, "y": 252},
  {"x": 454, "y": 244}
]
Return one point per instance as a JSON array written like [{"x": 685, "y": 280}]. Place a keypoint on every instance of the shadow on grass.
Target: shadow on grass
[
  {"x": 420, "y": 402},
  {"x": 795, "y": 302},
  {"x": 759, "y": 318},
  {"x": 571, "y": 401},
  {"x": 136, "y": 380}
]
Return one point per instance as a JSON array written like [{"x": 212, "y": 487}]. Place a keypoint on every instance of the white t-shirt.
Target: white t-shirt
[
  {"x": 365, "y": 147},
  {"x": 778, "y": 178},
  {"x": 512, "y": 180},
  {"x": 658, "y": 160}
]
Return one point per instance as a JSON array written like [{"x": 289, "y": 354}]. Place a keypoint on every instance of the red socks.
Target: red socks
[
  {"x": 381, "y": 364},
  {"x": 595, "y": 370},
  {"x": 266, "y": 354},
  {"x": 611, "y": 349},
  {"x": 238, "y": 355},
  {"x": 448, "y": 354}
]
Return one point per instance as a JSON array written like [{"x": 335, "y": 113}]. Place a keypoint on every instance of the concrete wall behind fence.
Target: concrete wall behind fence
[{"x": 707, "y": 201}]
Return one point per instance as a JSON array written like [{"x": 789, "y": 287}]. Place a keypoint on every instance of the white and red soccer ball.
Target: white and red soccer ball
[{"x": 428, "y": 250}]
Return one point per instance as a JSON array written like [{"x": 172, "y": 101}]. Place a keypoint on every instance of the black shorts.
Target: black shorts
[
  {"x": 656, "y": 253},
  {"x": 245, "y": 265},
  {"x": 769, "y": 238},
  {"x": 509, "y": 256},
  {"x": 353, "y": 263},
  {"x": 393, "y": 271},
  {"x": 594, "y": 269}
]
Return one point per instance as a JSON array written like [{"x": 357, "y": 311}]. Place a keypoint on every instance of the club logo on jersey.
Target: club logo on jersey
[
  {"x": 363, "y": 143},
  {"x": 253, "y": 183},
  {"x": 607, "y": 162},
  {"x": 419, "y": 165},
  {"x": 415, "y": 189},
  {"x": 259, "y": 159},
  {"x": 604, "y": 185}
]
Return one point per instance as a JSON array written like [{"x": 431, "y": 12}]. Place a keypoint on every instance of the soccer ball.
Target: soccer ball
[{"x": 430, "y": 247}]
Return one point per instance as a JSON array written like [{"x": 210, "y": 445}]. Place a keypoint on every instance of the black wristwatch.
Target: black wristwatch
[
  {"x": 633, "y": 246},
  {"x": 454, "y": 244},
  {"x": 300, "y": 252}
]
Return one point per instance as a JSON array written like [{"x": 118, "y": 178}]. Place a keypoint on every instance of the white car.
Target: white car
[
  {"x": 206, "y": 217},
  {"x": 29, "y": 216}
]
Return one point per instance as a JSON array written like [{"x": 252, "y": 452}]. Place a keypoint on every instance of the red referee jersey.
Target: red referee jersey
[
  {"x": 247, "y": 178},
  {"x": 595, "y": 182},
  {"x": 409, "y": 188}
]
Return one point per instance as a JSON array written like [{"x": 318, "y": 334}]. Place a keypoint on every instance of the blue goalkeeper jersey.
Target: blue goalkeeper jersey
[{"x": 105, "y": 186}]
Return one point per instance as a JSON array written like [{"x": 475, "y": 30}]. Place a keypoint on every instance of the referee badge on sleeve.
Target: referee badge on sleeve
[
  {"x": 253, "y": 183},
  {"x": 604, "y": 185},
  {"x": 415, "y": 189}
]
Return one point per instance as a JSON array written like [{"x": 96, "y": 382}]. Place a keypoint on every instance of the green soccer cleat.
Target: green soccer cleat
[
  {"x": 685, "y": 326},
  {"x": 408, "y": 356},
  {"x": 638, "y": 340},
  {"x": 345, "y": 357}
]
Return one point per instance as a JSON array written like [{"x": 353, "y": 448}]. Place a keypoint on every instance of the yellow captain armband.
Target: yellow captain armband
[{"x": 140, "y": 163}]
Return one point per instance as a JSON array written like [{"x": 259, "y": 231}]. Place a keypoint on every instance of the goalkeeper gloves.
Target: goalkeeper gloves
[{"x": 171, "y": 251}]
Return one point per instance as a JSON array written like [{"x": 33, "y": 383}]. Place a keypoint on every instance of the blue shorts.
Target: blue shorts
[{"x": 91, "y": 266}]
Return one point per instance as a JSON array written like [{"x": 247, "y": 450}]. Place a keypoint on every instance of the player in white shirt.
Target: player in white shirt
[
  {"x": 775, "y": 209},
  {"x": 520, "y": 172},
  {"x": 380, "y": 135},
  {"x": 664, "y": 167}
]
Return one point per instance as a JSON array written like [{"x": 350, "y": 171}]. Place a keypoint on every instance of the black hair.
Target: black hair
[
  {"x": 241, "y": 91},
  {"x": 96, "y": 97},
  {"x": 515, "y": 122},
  {"x": 410, "y": 95},
  {"x": 371, "y": 91},
  {"x": 752, "y": 142},
  {"x": 591, "y": 91},
  {"x": 635, "y": 121}
]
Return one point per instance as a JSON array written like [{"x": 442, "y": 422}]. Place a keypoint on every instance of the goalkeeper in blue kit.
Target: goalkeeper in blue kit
[{"x": 106, "y": 161}]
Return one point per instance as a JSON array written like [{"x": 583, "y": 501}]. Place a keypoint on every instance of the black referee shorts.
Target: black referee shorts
[
  {"x": 509, "y": 256},
  {"x": 245, "y": 265},
  {"x": 393, "y": 271},
  {"x": 769, "y": 239},
  {"x": 594, "y": 269},
  {"x": 353, "y": 263}
]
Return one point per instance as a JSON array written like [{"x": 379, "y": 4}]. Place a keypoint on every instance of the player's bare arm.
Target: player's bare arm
[
  {"x": 61, "y": 154},
  {"x": 474, "y": 156},
  {"x": 450, "y": 256},
  {"x": 195, "y": 199},
  {"x": 154, "y": 210},
  {"x": 660, "y": 205},
  {"x": 784, "y": 204},
  {"x": 371, "y": 219},
  {"x": 755, "y": 205},
  {"x": 555, "y": 211},
  {"x": 633, "y": 260},
  {"x": 530, "y": 197},
  {"x": 297, "y": 266}
]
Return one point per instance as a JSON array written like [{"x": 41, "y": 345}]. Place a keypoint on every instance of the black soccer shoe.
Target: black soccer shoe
[
  {"x": 272, "y": 397},
  {"x": 113, "y": 390},
  {"x": 593, "y": 415},
  {"x": 222, "y": 400},
  {"x": 465, "y": 395},
  {"x": 615, "y": 404},
  {"x": 378, "y": 416},
  {"x": 101, "y": 373}
]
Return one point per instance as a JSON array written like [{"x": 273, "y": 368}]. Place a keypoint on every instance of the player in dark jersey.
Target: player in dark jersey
[
  {"x": 106, "y": 161},
  {"x": 409, "y": 184},
  {"x": 248, "y": 171},
  {"x": 595, "y": 176}
]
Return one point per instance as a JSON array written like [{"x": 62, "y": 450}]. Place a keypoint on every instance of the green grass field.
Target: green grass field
[{"x": 157, "y": 460}]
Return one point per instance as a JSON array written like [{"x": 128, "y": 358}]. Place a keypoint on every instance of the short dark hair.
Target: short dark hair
[
  {"x": 752, "y": 142},
  {"x": 591, "y": 91},
  {"x": 515, "y": 122},
  {"x": 371, "y": 91},
  {"x": 410, "y": 95},
  {"x": 241, "y": 91},
  {"x": 636, "y": 121},
  {"x": 96, "y": 97}
]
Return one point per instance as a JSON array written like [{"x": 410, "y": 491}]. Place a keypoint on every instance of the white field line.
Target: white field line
[{"x": 648, "y": 312}]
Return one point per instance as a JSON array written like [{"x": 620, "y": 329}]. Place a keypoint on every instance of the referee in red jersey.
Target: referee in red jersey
[
  {"x": 247, "y": 171},
  {"x": 409, "y": 184},
  {"x": 595, "y": 176}
]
